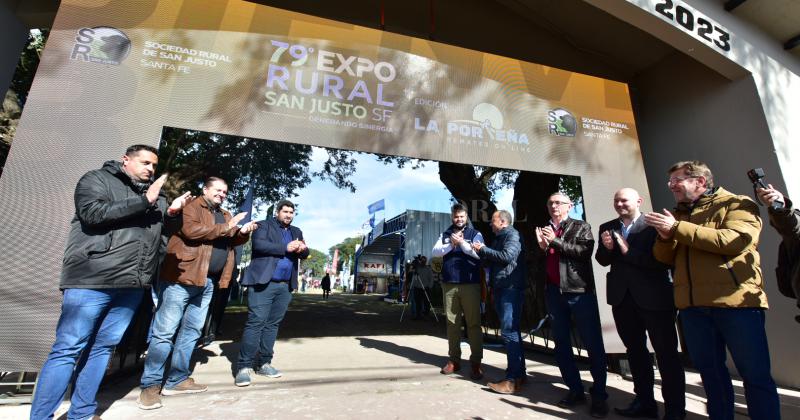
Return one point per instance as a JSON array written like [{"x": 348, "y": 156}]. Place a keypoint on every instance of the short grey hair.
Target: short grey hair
[
  {"x": 694, "y": 168},
  {"x": 505, "y": 216}
]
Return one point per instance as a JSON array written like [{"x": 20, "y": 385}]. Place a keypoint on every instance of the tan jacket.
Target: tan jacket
[
  {"x": 189, "y": 251},
  {"x": 714, "y": 253}
]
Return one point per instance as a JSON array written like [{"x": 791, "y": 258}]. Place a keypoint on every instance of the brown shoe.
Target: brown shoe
[
  {"x": 186, "y": 387},
  {"x": 476, "y": 372},
  {"x": 450, "y": 368},
  {"x": 149, "y": 398},
  {"x": 506, "y": 386}
]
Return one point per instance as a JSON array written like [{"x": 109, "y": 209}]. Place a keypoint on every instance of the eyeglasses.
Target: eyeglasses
[
  {"x": 677, "y": 179},
  {"x": 557, "y": 203}
]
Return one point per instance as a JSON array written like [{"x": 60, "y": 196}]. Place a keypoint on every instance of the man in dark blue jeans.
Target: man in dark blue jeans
[
  {"x": 565, "y": 261},
  {"x": 506, "y": 259},
  {"x": 198, "y": 255},
  {"x": 711, "y": 238},
  {"x": 115, "y": 244},
  {"x": 270, "y": 280}
]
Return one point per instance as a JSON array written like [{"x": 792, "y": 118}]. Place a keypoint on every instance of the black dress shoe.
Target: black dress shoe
[
  {"x": 672, "y": 416},
  {"x": 599, "y": 409},
  {"x": 572, "y": 399},
  {"x": 639, "y": 410}
]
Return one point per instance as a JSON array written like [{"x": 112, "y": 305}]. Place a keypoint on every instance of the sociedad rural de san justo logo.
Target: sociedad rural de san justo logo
[
  {"x": 561, "y": 122},
  {"x": 101, "y": 44}
]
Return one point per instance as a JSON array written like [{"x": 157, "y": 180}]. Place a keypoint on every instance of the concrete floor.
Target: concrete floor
[{"x": 351, "y": 358}]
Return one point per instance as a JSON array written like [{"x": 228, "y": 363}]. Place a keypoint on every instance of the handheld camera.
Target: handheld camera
[{"x": 756, "y": 176}]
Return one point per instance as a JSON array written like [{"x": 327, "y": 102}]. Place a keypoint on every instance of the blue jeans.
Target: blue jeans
[
  {"x": 707, "y": 332},
  {"x": 183, "y": 309},
  {"x": 508, "y": 304},
  {"x": 92, "y": 323},
  {"x": 266, "y": 307},
  {"x": 562, "y": 307}
]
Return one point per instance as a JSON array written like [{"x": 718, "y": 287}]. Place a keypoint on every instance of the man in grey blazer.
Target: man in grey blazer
[{"x": 640, "y": 293}]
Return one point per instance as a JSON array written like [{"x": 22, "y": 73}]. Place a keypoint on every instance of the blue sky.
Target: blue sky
[{"x": 327, "y": 215}]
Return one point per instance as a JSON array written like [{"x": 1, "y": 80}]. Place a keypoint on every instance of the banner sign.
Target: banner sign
[{"x": 115, "y": 73}]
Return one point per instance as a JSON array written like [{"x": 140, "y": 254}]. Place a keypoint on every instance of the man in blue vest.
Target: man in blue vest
[
  {"x": 462, "y": 290},
  {"x": 270, "y": 280}
]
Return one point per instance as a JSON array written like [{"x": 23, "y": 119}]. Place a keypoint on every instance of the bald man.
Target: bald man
[{"x": 640, "y": 293}]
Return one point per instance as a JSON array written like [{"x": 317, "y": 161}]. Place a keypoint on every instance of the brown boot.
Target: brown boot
[
  {"x": 506, "y": 386},
  {"x": 450, "y": 368},
  {"x": 476, "y": 371}
]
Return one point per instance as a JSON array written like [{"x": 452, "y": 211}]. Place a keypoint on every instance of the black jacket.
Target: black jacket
[
  {"x": 637, "y": 272},
  {"x": 507, "y": 260},
  {"x": 117, "y": 238},
  {"x": 787, "y": 222},
  {"x": 575, "y": 246}
]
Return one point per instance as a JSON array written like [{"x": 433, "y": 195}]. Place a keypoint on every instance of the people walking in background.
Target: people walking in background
[
  {"x": 326, "y": 286},
  {"x": 711, "y": 240},
  {"x": 565, "y": 262},
  {"x": 116, "y": 242},
  {"x": 198, "y": 255},
  {"x": 270, "y": 280},
  {"x": 507, "y": 279},
  {"x": 639, "y": 290}
]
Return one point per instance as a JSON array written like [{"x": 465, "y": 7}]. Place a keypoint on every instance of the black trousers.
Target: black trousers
[
  {"x": 216, "y": 311},
  {"x": 633, "y": 322},
  {"x": 420, "y": 304}
]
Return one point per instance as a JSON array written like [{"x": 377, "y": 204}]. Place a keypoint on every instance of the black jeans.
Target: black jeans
[
  {"x": 419, "y": 303},
  {"x": 634, "y": 324}
]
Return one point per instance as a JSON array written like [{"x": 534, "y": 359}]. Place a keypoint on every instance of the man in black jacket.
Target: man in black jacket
[
  {"x": 786, "y": 220},
  {"x": 565, "y": 262},
  {"x": 639, "y": 291},
  {"x": 116, "y": 242},
  {"x": 507, "y": 279}
]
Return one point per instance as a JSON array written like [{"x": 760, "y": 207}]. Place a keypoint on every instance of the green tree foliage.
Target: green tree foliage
[
  {"x": 347, "y": 250},
  {"x": 276, "y": 170},
  {"x": 571, "y": 185},
  {"x": 14, "y": 100},
  {"x": 315, "y": 262},
  {"x": 28, "y": 63}
]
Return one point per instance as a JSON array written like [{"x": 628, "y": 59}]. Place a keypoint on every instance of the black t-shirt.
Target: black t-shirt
[{"x": 219, "y": 254}]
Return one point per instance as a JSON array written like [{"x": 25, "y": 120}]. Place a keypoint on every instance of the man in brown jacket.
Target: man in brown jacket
[
  {"x": 711, "y": 242},
  {"x": 199, "y": 254}
]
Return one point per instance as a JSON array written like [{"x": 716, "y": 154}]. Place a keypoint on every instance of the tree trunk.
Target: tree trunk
[
  {"x": 467, "y": 189},
  {"x": 530, "y": 197}
]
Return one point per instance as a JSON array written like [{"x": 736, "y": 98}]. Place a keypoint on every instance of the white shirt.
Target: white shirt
[{"x": 445, "y": 245}]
